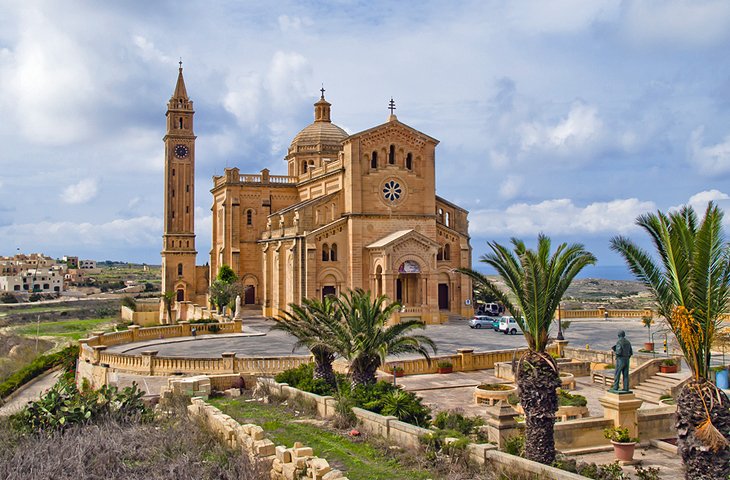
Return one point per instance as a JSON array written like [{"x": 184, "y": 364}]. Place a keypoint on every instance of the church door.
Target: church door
[
  {"x": 249, "y": 295},
  {"x": 328, "y": 290},
  {"x": 443, "y": 296},
  {"x": 399, "y": 290},
  {"x": 180, "y": 295}
]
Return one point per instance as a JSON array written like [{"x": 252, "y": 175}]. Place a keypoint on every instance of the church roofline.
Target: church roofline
[
  {"x": 451, "y": 204},
  {"x": 394, "y": 121}
]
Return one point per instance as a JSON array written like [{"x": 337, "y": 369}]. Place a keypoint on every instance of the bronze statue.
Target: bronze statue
[{"x": 623, "y": 352}]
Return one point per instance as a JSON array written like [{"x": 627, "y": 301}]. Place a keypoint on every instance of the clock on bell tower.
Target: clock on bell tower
[{"x": 178, "y": 239}]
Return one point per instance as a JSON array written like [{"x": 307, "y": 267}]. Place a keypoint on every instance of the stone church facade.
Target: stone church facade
[{"x": 354, "y": 211}]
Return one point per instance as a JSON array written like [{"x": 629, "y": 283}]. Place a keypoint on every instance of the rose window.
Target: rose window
[{"x": 392, "y": 190}]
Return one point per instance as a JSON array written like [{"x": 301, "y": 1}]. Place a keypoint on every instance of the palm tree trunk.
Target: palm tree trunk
[
  {"x": 537, "y": 381},
  {"x": 323, "y": 359},
  {"x": 364, "y": 370},
  {"x": 700, "y": 462}
]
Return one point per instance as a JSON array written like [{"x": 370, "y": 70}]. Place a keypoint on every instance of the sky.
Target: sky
[{"x": 565, "y": 117}]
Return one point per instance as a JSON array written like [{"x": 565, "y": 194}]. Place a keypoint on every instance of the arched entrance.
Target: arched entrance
[
  {"x": 408, "y": 284},
  {"x": 249, "y": 295},
  {"x": 444, "y": 291}
]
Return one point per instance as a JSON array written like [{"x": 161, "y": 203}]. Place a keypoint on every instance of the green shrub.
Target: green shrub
[
  {"x": 566, "y": 399},
  {"x": 515, "y": 445},
  {"x": 130, "y": 303},
  {"x": 8, "y": 297},
  {"x": 65, "y": 358},
  {"x": 377, "y": 396},
  {"x": 444, "y": 364},
  {"x": 64, "y": 405},
  {"x": 302, "y": 378},
  {"x": 457, "y": 422}
]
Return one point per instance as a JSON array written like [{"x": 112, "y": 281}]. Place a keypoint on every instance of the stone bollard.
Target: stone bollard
[
  {"x": 501, "y": 423},
  {"x": 186, "y": 328},
  {"x": 148, "y": 360},
  {"x": 134, "y": 329},
  {"x": 229, "y": 361},
  {"x": 98, "y": 349},
  {"x": 467, "y": 359},
  {"x": 622, "y": 408}
]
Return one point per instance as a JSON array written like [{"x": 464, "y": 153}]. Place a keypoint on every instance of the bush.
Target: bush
[
  {"x": 457, "y": 422},
  {"x": 64, "y": 405},
  {"x": 302, "y": 378},
  {"x": 618, "y": 434},
  {"x": 8, "y": 297},
  {"x": 381, "y": 397},
  {"x": 130, "y": 303},
  {"x": 669, "y": 362},
  {"x": 566, "y": 399},
  {"x": 444, "y": 364},
  {"x": 515, "y": 445},
  {"x": 65, "y": 358}
]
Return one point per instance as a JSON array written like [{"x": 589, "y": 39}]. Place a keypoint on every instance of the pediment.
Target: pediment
[
  {"x": 404, "y": 239},
  {"x": 393, "y": 131}
]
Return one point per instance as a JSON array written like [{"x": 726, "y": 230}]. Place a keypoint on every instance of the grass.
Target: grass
[
  {"x": 72, "y": 329},
  {"x": 357, "y": 459}
]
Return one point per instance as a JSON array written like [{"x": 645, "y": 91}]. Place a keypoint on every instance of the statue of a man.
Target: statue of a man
[
  {"x": 623, "y": 352},
  {"x": 237, "y": 313}
]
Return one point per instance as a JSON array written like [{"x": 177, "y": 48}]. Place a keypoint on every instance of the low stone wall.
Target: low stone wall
[
  {"x": 601, "y": 313},
  {"x": 581, "y": 433},
  {"x": 578, "y": 368},
  {"x": 607, "y": 356},
  {"x": 408, "y": 436},
  {"x": 146, "y": 314},
  {"x": 658, "y": 423},
  {"x": 282, "y": 463}
]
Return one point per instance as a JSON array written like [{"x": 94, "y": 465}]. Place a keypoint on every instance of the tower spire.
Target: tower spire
[
  {"x": 322, "y": 109},
  {"x": 180, "y": 91}
]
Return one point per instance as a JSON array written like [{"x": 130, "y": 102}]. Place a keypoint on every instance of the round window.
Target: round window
[{"x": 392, "y": 190}]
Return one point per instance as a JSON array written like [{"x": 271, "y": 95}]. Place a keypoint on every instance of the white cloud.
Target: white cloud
[
  {"x": 559, "y": 216},
  {"x": 581, "y": 128},
  {"x": 148, "y": 51},
  {"x": 711, "y": 159},
  {"x": 288, "y": 80},
  {"x": 683, "y": 22},
  {"x": 289, "y": 24},
  {"x": 80, "y": 192},
  {"x": 562, "y": 16},
  {"x": 132, "y": 232},
  {"x": 699, "y": 202},
  {"x": 511, "y": 186}
]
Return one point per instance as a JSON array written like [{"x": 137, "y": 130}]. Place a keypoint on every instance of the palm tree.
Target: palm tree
[
  {"x": 168, "y": 298},
  {"x": 537, "y": 280},
  {"x": 365, "y": 340},
  {"x": 690, "y": 283},
  {"x": 311, "y": 323}
]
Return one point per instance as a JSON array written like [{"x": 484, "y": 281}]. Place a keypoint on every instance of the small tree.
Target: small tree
[
  {"x": 647, "y": 321},
  {"x": 227, "y": 275},
  {"x": 224, "y": 288},
  {"x": 168, "y": 298}
]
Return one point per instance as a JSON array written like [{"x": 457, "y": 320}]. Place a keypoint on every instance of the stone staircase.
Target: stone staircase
[{"x": 657, "y": 385}]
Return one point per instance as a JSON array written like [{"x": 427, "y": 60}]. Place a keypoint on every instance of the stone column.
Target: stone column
[
  {"x": 238, "y": 326},
  {"x": 501, "y": 423},
  {"x": 148, "y": 360},
  {"x": 134, "y": 329},
  {"x": 186, "y": 328},
  {"x": 97, "y": 353},
  {"x": 229, "y": 361},
  {"x": 467, "y": 359},
  {"x": 622, "y": 408}
]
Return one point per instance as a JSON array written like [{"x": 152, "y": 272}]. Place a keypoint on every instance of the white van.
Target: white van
[{"x": 508, "y": 325}]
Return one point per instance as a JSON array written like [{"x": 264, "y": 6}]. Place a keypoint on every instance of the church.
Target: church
[{"x": 353, "y": 211}]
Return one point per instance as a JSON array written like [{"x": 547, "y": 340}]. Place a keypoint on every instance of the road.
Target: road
[{"x": 599, "y": 334}]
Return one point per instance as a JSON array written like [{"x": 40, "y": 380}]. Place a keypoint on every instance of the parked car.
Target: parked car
[
  {"x": 490, "y": 309},
  {"x": 495, "y": 323},
  {"x": 508, "y": 325},
  {"x": 480, "y": 321}
]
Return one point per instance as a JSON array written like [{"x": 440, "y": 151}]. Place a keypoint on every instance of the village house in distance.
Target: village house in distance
[{"x": 354, "y": 211}]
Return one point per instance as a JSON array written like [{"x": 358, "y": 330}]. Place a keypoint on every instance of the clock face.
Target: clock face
[{"x": 181, "y": 151}]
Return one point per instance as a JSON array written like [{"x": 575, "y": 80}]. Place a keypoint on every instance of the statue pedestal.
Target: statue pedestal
[{"x": 621, "y": 407}]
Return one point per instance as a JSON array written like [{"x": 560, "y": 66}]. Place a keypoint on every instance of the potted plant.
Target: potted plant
[
  {"x": 623, "y": 444},
  {"x": 398, "y": 371},
  {"x": 669, "y": 365},
  {"x": 648, "y": 321},
  {"x": 445, "y": 366}
]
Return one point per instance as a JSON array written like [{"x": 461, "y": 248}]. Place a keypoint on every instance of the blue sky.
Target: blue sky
[{"x": 567, "y": 117}]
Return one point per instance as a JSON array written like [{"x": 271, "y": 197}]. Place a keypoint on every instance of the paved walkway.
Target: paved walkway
[
  {"x": 29, "y": 393},
  {"x": 669, "y": 465}
]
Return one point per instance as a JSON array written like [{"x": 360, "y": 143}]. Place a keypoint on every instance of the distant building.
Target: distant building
[
  {"x": 35, "y": 280},
  {"x": 71, "y": 262},
  {"x": 86, "y": 264}
]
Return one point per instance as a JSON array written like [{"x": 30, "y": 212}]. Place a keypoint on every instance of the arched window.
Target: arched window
[
  {"x": 440, "y": 254},
  {"x": 180, "y": 295},
  {"x": 391, "y": 155},
  {"x": 409, "y": 161},
  {"x": 179, "y": 270},
  {"x": 374, "y": 160},
  {"x": 249, "y": 217},
  {"x": 333, "y": 252},
  {"x": 334, "y": 211},
  {"x": 447, "y": 219},
  {"x": 304, "y": 166},
  {"x": 325, "y": 252},
  {"x": 181, "y": 123},
  {"x": 441, "y": 215},
  {"x": 447, "y": 252}
]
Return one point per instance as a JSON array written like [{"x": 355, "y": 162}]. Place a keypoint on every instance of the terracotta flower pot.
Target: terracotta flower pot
[
  {"x": 399, "y": 373},
  {"x": 445, "y": 369},
  {"x": 668, "y": 368},
  {"x": 649, "y": 346},
  {"x": 624, "y": 451}
]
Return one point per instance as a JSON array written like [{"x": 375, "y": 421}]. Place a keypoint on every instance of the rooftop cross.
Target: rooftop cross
[
  {"x": 391, "y": 105},
  {"x": 180, "y": 62},
  {"x": 322, "y": 90}
]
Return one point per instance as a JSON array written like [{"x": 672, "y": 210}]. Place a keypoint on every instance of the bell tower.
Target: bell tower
[{"x": 178, "y": 239}]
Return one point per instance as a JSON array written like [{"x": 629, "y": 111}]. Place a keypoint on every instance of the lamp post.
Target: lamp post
[{"x": 560, "y": 326}]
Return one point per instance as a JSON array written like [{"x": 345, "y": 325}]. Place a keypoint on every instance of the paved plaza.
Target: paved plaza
[{"x": 259, "y": 341}]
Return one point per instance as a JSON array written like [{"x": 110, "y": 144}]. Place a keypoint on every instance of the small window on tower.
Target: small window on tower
[
  {"x": 374, "y": 160},
  {"x": 409, "y": 161},
  {"x": 391, "y": 155},
  {"x": 173, "y": 192},
  {"x": 249, "y": 217},
  {"x": 187, "y": 209},
  {"x": 181, "y": 123},
  {"x": 179, "y": 269}
]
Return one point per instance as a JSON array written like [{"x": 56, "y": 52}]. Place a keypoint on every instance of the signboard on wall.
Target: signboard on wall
[{"x": 409, "y": 266}]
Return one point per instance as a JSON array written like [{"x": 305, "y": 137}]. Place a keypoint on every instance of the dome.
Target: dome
[{"x": 322, "y": 132}]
